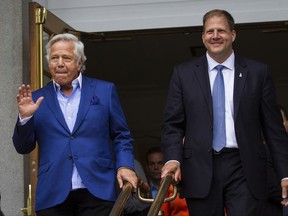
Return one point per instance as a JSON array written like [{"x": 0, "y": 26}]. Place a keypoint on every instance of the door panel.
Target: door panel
[{"x": 42, "y": 26}]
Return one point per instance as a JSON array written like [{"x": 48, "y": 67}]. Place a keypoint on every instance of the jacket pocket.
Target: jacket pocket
[
  {"x": 43, "y": 168},
  {"x": 104, "y": 162}
]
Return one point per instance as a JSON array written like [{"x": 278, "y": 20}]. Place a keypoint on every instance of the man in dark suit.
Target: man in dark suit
[
  {"x": 232, "y": 175},
  {"x": 80, "y": 128}
]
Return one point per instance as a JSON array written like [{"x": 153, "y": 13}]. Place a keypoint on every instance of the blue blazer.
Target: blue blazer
[
  {"x": 188, "y": 114},
  {"x": 99, "y": 144}
]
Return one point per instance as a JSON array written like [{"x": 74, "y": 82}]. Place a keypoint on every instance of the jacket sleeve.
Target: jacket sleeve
[{"x": 23, "y": 137}]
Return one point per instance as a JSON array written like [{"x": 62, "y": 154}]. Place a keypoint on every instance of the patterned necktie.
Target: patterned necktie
[{"x": 219, "y": 128}]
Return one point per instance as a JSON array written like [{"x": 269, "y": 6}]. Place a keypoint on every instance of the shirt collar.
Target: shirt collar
[
  {"x": 228, "y": 63},
  {"x": 75, "y": 82}
]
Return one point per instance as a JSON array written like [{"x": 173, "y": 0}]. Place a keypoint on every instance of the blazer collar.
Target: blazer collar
[
  {"x": 87, "y": 93},
  {"x": 201, "y": 72},
  {"x": 50, "y": 98},
  {"x": 241, "y": 73}
]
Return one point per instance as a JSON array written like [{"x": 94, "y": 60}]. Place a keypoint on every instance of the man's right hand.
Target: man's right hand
[
  {"x": 172, "y": 167},
  {"x": 26, "y": 106}
]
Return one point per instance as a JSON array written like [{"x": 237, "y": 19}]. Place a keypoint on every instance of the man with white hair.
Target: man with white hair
[{"x": 85, "y": 145}]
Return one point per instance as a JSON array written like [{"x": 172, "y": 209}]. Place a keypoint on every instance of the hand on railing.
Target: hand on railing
[
  {"x": 126, "y": 191},
  {"x": 161, "y": 195}
]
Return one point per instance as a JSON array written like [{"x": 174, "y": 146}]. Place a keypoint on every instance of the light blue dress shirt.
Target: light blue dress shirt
[
  {"x": 69, "y": 106},
  {"x": 228, "y": 74}
]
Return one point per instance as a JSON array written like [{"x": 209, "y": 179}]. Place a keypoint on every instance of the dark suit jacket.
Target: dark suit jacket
[
  {"x": 99, "y": 136},
  {"x": 188, "y": 114}
]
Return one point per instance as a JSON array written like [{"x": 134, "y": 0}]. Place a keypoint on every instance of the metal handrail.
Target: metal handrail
[
  {"x": 161, "y": 195},
  {"x": 122, "y": 199},
  {"x": 126, "y": 191}
]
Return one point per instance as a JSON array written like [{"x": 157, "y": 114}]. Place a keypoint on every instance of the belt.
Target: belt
[{"x": 225, "y": 150}]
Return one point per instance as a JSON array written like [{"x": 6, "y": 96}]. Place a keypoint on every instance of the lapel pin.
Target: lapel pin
[{"x": 240, "y": 75}]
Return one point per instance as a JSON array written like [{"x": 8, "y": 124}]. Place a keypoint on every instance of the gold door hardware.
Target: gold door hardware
[{"x": 28, "y": 210}]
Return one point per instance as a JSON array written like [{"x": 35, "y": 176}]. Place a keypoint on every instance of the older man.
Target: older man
[{"x": 84, "y": 142}]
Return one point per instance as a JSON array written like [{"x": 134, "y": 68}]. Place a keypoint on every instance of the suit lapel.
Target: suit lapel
[
  {"x": 53, "y": 105},
  {"x": 203, "y": 77},
  {"x": 241, "y": 73},
  {"x": 86, "y": 95}
]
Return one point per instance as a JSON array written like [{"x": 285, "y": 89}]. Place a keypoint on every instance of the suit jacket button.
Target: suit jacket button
[
  {"x": 70, "y": 157},
  {"x": 72, "y": 137}
]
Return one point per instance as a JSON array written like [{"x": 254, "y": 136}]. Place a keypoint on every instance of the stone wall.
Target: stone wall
[{"x": 11, "y": 69}]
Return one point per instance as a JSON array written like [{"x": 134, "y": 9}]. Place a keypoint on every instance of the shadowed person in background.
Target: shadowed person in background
[
  {"x": 154, "y": 164},
  {"x": 134, "y": 206},
  {"x": 155, "y": 158}
]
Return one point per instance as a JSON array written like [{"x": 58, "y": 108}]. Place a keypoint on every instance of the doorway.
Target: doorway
[{"x": 141, "y": 63}]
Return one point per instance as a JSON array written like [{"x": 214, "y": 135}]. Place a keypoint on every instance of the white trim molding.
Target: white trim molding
[{"x": 117, "y": 15}]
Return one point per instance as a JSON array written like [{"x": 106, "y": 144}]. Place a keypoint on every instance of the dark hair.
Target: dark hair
[
  {"x": 219, "y": 12},
  {"x": 153, "y": 150}
]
